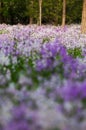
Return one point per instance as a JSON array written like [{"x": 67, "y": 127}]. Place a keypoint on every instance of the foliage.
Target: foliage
[{"x": 19, "y": 11}]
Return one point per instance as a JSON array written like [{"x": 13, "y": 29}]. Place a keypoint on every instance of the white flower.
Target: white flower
[{"x": 4, "y": 60}]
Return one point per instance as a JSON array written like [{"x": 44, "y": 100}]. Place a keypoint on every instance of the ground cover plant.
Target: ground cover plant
[{"x": 42, "y": 77}]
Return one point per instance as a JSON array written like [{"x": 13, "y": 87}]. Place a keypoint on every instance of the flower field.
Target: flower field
[{"x": 42, "y": 77}]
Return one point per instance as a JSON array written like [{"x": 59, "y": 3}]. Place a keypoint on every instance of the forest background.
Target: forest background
[{"x": 27, "y": 11}]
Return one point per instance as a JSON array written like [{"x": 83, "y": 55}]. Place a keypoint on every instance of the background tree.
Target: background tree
[
  {"x": 31, "y": 17},
  {"x": 31, "y": 11},
  {"x": 83, "y": 24},
  {"x": 1, "y": 11},
  {"x": 40, "y": 12},
  {"x": 64, "y": 13}
]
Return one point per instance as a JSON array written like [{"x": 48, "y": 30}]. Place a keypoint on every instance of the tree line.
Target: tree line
[
  {"x": 28, "y": 11},
  {"x": 41, "y": 11}
]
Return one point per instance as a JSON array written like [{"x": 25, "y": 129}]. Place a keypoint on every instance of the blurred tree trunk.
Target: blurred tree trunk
[
  {"x": 64, "y": 13},
  {"x": 11, "y": 13},
  {"x": 31, "y": 20},
  {"x": 83, "y": 23},
  {"x": 31, "y": 15},
  {"x": 1, "y": 12},
  {"x": 40, "y": 12}
]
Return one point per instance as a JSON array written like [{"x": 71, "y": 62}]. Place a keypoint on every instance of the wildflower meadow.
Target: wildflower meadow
[{"x": 42, "y": 77}]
